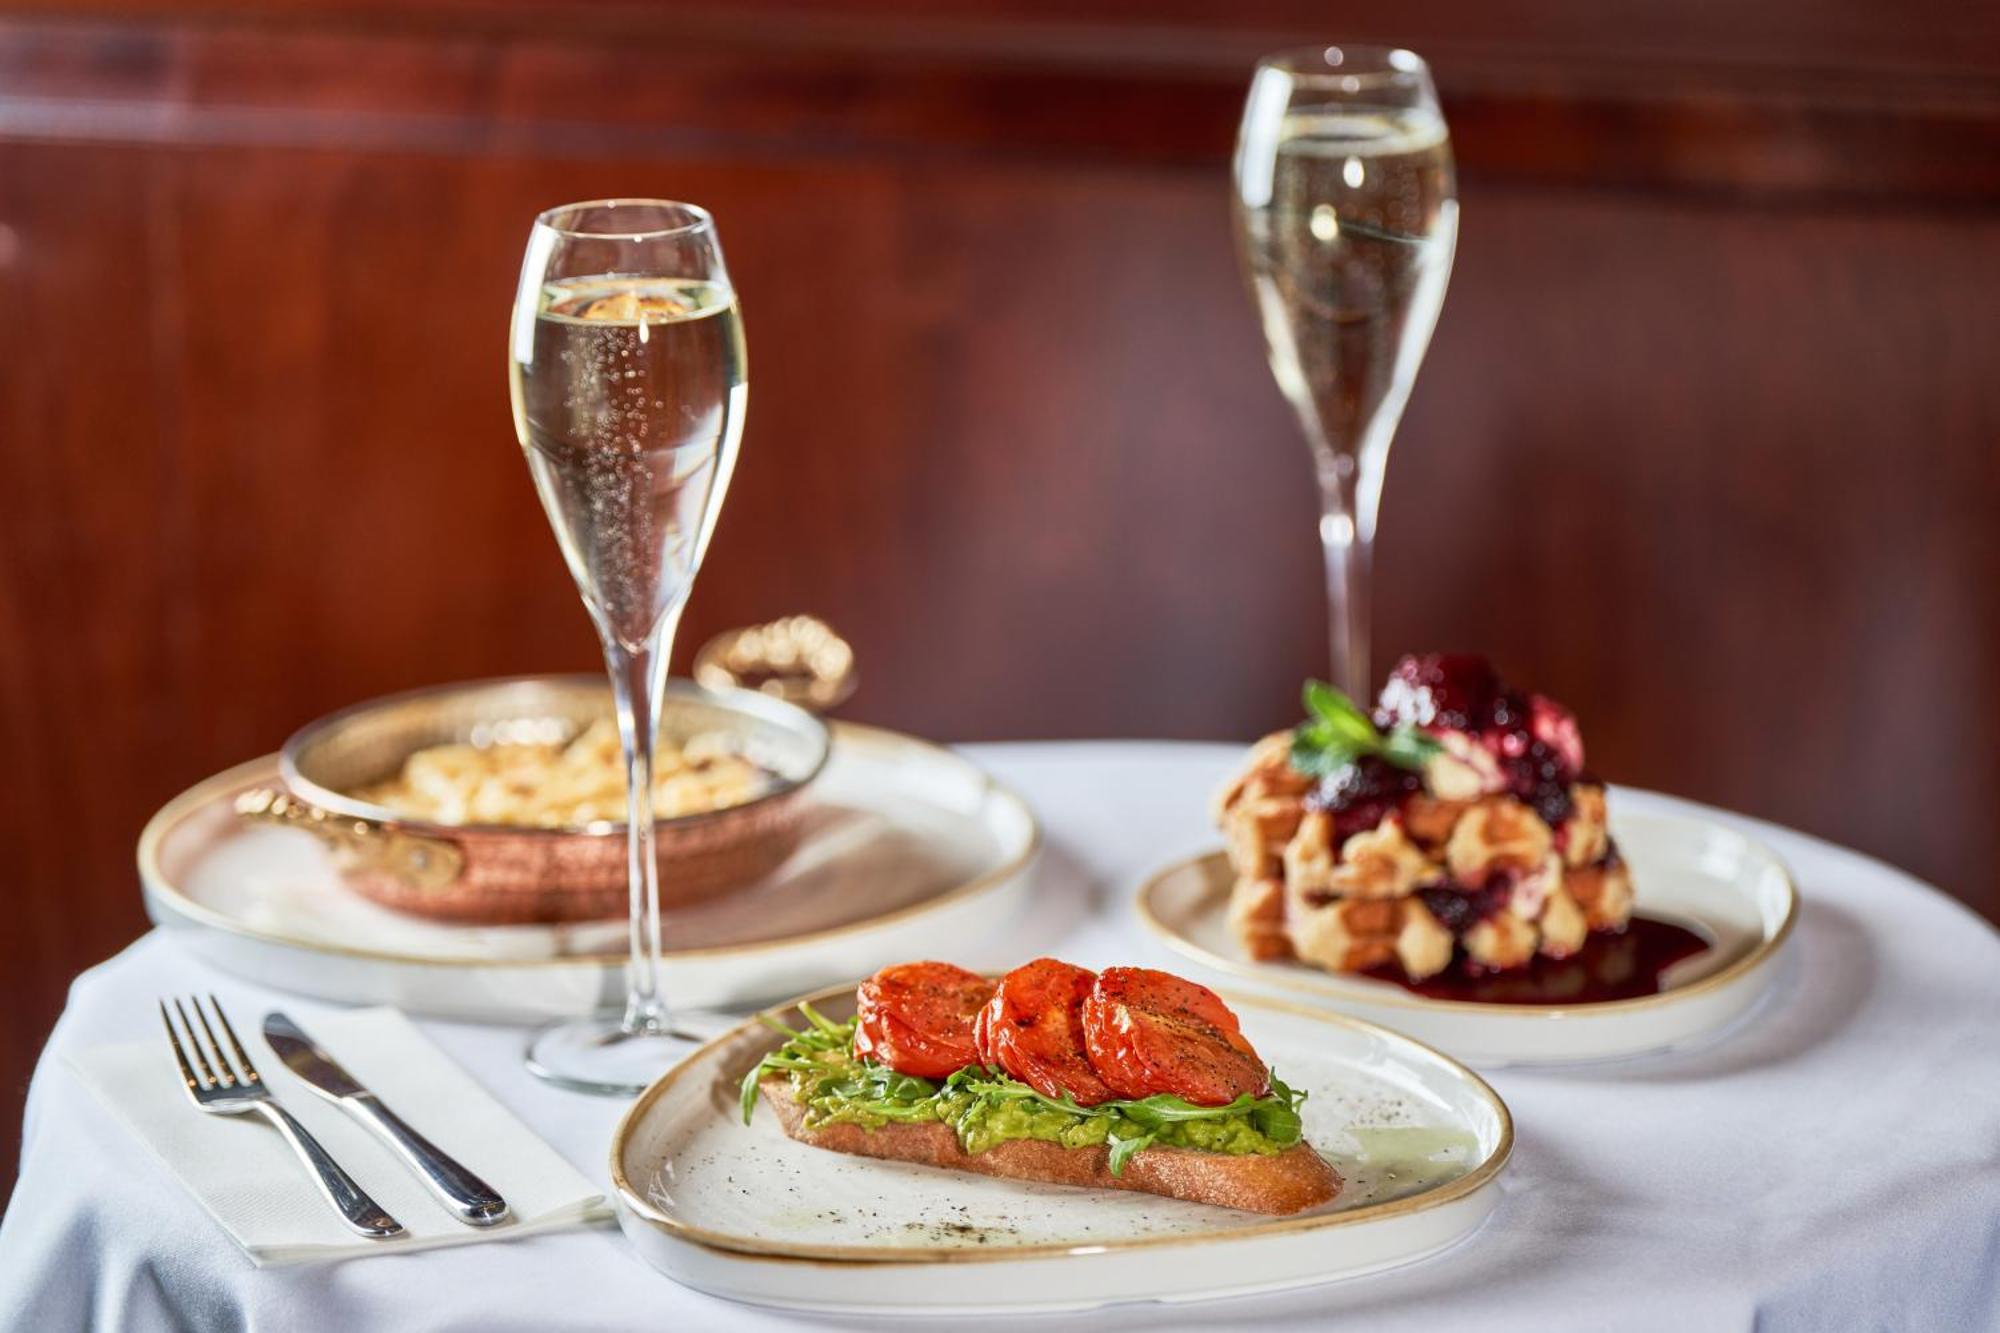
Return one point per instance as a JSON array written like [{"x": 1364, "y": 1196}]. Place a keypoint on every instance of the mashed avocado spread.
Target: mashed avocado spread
[{"x": 984, "y": 1106}]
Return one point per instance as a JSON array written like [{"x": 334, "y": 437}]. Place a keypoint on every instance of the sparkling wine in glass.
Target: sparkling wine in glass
[
  {"x": 629, "y": 390},
  {"x": 1346, "y": 219}
]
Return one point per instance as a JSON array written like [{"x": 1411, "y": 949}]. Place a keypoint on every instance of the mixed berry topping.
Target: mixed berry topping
[
  {"x": 1533, "y": 738},
  {"x": 1445, "y": 691},
  {"x": 1459, "y": 911},
  {"x": 1540, "y": 778},
  {"x": 1363, "y": 794},
  {"x": 1555, "y": 726}
]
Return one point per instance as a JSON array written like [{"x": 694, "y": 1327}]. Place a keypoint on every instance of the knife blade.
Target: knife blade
[{"x": 470, "y": 1199}]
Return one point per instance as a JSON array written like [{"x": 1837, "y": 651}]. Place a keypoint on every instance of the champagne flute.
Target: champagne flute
[
  {"x": 1346, "y": 219},
  {"x": 629, "y": 390}
]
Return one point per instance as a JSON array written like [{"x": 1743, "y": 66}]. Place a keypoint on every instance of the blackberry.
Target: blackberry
[{"x": 1363, "y": 794}]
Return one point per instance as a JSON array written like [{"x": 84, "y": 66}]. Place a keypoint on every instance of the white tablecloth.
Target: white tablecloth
[{"x": 1835, "y": 1164}]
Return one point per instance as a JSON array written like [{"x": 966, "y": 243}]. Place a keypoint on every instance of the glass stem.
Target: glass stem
[
  {"x": 1348, "y": 501},
  {"x": 638, "y": 681}
]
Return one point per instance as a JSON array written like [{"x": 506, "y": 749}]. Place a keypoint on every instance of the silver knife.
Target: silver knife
[{"x": 470, "y": 1199}]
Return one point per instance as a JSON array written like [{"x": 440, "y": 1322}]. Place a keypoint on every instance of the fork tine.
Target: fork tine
[
  {"x": 180, "y": 1055},
  {"x": 223, "y": 1066},
  {"x": 242, "y": 1056},
  {"x": 200, "y": 1056}
]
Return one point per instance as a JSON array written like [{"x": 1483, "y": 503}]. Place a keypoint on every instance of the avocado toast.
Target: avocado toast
[{"x": 1129, "y": 1079}]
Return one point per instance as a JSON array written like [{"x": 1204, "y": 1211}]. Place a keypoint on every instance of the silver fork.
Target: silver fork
[{"x": 221, "y": 1089}]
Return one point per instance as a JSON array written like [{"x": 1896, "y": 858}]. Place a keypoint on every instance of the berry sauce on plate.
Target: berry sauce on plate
[{"x": 1621, "y": 965}]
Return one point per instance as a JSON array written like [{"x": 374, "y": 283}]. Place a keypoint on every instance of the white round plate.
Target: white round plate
[
  {"x": 908, "y": 844},
  {"x": 1727, "y": 888},
  {"x": 744, "y": 1212}
]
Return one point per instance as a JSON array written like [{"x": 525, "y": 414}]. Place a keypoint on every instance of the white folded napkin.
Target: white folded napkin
[{"x": 249, "y": 1180}]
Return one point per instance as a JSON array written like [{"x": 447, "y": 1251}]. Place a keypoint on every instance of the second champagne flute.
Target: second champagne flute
[
  {"x": 1346, "y": 217},
  {"x": 629, "y": 389}
]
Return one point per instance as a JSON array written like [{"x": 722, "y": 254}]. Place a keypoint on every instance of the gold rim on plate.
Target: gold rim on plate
[
  {"x": 153, "y": 879},
  {"x": 1338, "y": 987},
  {"x": 847, "y": 1255}
]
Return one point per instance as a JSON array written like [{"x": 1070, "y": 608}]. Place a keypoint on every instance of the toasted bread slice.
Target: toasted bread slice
[{"x": 1288, "y": 1182}]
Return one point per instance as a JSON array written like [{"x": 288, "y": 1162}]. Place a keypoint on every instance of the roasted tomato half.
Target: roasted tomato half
[
  {"x": 1149, "y": 1032},
  {"x": 1034, "y": 1027},
  {"x": 916, "y": 1018}
]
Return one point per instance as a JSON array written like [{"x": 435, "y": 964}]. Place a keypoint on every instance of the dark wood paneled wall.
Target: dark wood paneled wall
[{"x": 1706, "y": 444}]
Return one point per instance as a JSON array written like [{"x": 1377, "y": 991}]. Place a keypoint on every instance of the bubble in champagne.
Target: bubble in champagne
[{"x": 631, "y": 407}]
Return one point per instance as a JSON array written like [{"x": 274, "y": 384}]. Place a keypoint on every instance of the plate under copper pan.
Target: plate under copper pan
[{"x": 904, "y": 844}]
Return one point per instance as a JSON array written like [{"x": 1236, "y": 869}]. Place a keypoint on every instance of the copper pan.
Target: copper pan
[{"x": 503, "y": 874}]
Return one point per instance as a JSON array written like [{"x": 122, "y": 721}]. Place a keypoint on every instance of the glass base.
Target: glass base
[{"x": 598, "y": 1055}]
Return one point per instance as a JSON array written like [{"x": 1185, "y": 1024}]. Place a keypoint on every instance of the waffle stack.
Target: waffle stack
[{"x": 1493, "y": 850}]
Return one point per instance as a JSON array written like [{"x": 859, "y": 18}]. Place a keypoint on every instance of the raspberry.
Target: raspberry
[{"x": 1453, "y": 690}]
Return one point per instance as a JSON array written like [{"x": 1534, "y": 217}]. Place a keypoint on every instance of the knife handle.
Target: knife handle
[{"x": 470, "y": 1199}]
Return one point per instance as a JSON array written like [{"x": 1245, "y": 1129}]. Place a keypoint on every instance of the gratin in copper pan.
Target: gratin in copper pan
[{"x": 503, "y": 874}]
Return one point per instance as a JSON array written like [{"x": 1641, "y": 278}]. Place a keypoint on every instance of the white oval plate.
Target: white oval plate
[
  {"x": 1731, "y": 890},
  {"x": 909, "y": 844},
  {"x": 744, "y": 1212}
]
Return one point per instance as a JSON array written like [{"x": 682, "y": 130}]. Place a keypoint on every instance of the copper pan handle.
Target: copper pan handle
[
  {"x": 799, "y": 659},
  {"x": 358, "y": 844}
]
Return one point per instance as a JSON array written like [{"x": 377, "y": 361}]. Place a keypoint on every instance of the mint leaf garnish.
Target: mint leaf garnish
[{"x": 1336, "y": 733}]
